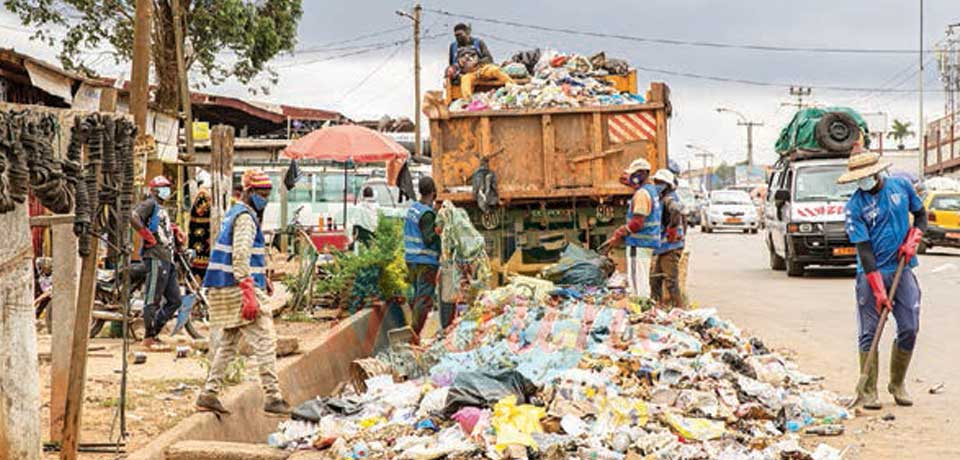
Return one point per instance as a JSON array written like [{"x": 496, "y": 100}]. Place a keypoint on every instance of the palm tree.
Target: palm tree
[{"x": 900, "y": 131}]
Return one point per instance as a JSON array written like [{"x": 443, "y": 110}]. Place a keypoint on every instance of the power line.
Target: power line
[
  {"x": 354, "y": 39},
  {"x": 774, "y": 84},
  {"x": 373, "y": 72},
  {"x": 667, "y": 41},
  {"x": 371, "y": 49}
]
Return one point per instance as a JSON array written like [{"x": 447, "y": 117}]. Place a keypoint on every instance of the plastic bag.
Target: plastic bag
[
  {"x": 469, "y": 417},
  {"x": 579, "y": 267},
  {"x": 515, "y": 423},
  {"x": 699, "y": 429},
  {"x": 433, "y": 401},
  {"x": 484, "y": 389}
]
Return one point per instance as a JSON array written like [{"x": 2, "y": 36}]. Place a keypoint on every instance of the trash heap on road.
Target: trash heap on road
[
  {"x": 533, "y": 371},
  {"x": 554, "y": 79}
]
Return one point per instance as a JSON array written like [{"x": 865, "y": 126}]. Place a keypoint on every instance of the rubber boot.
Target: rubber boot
[
  {"x": 899, "y": 362},
  {"x": 207, "y": 402},
  {"x": 868, "y": 396}
]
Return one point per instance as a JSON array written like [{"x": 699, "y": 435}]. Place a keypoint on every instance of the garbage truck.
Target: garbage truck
[
  {"x": 536, "y": 179},
  {"x": 804, "y": 206}
]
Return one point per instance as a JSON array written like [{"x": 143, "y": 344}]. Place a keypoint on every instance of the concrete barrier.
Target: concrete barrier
[{"x": 324, "y": 364}]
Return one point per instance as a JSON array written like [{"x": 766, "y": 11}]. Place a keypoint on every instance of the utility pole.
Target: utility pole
[
  {"x": 749, "y": 124},
  {"x": 800, "y": 92},
  {"x": 922, "y": 150},
  {"x": 182, "y": 77},
  {"x": 140, "y": 73},
  {"x": 704, "y": 154},
  {"x": 416, "y": 16}
]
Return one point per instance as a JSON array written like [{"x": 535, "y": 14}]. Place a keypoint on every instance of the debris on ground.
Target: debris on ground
[
  {"x": 525, "y": 373},
  {"x": 937, "y": 389}
]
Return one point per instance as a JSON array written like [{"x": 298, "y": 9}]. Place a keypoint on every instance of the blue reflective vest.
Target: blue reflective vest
[
  {"x": 666, "y": 246},
  {"x": 415, "y": 251},
  {"x": 220, "y": 269},
  {"x": 455, "y": 48},
  {"x": 649, "y": 235}
]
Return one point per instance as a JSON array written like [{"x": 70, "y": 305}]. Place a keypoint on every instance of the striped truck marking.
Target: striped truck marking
[
  {"x": 814, "y": 211},
  {"x": 631, "y": 127}
]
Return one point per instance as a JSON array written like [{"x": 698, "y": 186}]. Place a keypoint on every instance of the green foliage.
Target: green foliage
[
  {"x": 224, "y": 38},
  {"x": 900, "y": 131},
  {"x": 382, "y": 259}
]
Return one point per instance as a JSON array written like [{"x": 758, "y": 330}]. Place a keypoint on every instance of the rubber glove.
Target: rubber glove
[
  {"x": 909, "y": 247},
  {"x": 879, "y": 291},
  {"x": 672, "y": 235},
  {"x": 149, "y": 240},
  {"x": 251, "y": 308},
  {"x": 618, "y": 235}
]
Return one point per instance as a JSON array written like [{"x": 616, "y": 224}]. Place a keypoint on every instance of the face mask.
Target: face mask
[
  {"x": 163, "y": 193},
  {"x": 660, "y": 188},
  {"x": 259, "y": 202},
  {"x": 867, "y": 183}
]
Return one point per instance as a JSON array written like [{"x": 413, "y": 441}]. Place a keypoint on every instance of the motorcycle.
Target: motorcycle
[{"x": 107, "y": 297}]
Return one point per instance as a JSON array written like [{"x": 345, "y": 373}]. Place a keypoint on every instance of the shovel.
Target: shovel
[{"x": 865, "y": 372}]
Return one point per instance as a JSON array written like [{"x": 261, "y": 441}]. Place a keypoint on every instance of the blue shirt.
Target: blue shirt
[{"x": 883, "y": 219}]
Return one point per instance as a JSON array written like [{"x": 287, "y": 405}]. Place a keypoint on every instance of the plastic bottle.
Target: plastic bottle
[{"x": 794, "y": 426}]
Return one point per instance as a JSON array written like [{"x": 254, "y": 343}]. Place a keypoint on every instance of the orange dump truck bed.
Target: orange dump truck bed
[{"x": 549, "y": 153}]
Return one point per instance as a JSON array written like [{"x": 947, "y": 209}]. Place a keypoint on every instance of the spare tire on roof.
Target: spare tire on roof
[{"x": 837, "y": 132}]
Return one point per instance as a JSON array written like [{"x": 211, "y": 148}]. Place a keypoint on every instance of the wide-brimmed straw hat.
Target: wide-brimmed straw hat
[{"x": 862, "y": 165}]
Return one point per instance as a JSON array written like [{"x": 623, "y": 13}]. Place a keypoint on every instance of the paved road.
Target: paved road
[{"x": 815, "y": 317}]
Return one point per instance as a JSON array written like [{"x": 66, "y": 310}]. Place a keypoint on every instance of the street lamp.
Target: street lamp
[
  {"x": 703, "y": 154},
  {"x": 749, "y": 124}
]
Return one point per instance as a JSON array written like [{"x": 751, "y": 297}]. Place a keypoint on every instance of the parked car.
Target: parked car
[
  {"x": 729, "y": 210},
  {"x": 691, "y": 210},
  {"x": 943, "y": 214}
]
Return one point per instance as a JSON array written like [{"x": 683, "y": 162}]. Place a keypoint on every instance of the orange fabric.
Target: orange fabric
[{"x": 255, "y": 178}]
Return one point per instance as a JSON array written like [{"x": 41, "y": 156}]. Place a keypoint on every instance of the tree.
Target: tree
[
  {"x": 900, "y": 131},
  {"x": 224, "y": 38},
  {"x": 725, "y": 173}
]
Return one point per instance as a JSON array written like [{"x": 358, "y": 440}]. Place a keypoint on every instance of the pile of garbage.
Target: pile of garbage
[
  {"x": 537, "y": 371},
  {"x": 554, "y": 79}
]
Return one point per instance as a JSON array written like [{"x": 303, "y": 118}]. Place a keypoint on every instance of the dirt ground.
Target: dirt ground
[{"x": 160, "y": 392}]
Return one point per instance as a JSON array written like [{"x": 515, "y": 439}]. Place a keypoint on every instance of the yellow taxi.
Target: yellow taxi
[{"x": 943, "y": 215}]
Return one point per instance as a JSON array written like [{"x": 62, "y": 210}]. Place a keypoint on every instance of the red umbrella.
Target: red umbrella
[{"x": 346, "y": 143}]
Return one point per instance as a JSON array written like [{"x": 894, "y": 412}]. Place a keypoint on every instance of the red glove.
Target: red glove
[
  {"x": 672, "y": 235},
  {"x": 879, "y": 291},
  {"x": 909, "y": 247},
  {"x": 618, "y": 235},
  {"x": 251, "y": 308},
  {"x": 149, "y": 240},
  {"x": 178, "y": 234}
]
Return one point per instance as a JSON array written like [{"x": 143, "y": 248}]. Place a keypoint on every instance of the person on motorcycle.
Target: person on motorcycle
[
  {"x": 159, "y": 235},
  {"x": 236, "y": 281}
]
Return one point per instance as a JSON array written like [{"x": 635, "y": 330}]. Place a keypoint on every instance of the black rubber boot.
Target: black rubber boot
[
  {"x": 899, "y": 362},
  {"x": 868, "y": 394}
]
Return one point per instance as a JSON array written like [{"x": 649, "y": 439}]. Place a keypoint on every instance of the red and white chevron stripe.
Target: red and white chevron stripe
[{"x": 631, "y": 127}]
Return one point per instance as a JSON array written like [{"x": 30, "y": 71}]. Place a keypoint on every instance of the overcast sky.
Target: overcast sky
[{"x": 381, "y": 82}]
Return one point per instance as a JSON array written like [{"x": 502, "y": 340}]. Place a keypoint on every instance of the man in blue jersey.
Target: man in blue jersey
[
  {"x": 641, "y": 233},
  {"x": 421, "y": 244},
  {"x": 878, "y": 223}
]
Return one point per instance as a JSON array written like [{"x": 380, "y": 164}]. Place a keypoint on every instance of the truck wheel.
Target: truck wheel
[
  {"x": 776, "y": 262},
  {"x": 836, "y": 132},
  {"x": 794, "y": 268}
]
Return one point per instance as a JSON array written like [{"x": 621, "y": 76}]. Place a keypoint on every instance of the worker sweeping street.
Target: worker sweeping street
[
  {"x": 641, "y": 233},
  {"x": 159, "y": 234},
  {"x": 236, "y": 281},
  {"x": 666, "y": 257},
  {"x": 878, "y": 222},
  {"x": 421, "y": 244}
]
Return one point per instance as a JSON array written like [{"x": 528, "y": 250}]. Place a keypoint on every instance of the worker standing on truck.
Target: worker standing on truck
[
  {"x": 236, "y": 281},
  {"x": 878, "y": 222},
  {"x": 421, "y": 243},
  {"x": 666, "y": 257},
  {"x": 463, "y": 39},
  {"x": 642, "y": 230},
  {"x": 159, "y": 234}
]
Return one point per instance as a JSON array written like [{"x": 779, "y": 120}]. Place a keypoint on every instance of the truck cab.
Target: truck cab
[{"x": 804, "y": 212}]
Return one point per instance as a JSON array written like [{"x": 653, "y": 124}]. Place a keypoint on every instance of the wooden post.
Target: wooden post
[
  {"x": 66, "y": 270},
  {"x": 178, "y": 28},
  {"x": 221, "y": 174},
  {"x": 140, "y": 73},
  {"x": 77, "y": 376}
]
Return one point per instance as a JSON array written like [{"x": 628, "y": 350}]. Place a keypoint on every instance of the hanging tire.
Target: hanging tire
[
  {"x": 192, "y": 331},
  {"x": 776, "y": 262},
  {"x": 836, "y": 132}
]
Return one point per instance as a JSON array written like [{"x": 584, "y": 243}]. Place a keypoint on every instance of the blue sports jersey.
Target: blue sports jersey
[{"x": 883, "y": 219}]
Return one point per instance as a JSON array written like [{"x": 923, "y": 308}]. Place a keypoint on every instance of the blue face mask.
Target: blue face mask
[
  {"x": 660, "y": 188},
  {"x": 259, "y": 202},
  {"x": 163, "y": 193},
  {"x": 867, "y": 183}
]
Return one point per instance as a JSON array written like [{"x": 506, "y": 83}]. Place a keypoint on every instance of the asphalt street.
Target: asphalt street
[{"x": 814, "y": 318}]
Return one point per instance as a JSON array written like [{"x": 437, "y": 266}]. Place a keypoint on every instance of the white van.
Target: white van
[{"x": 804, "y": 213}]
